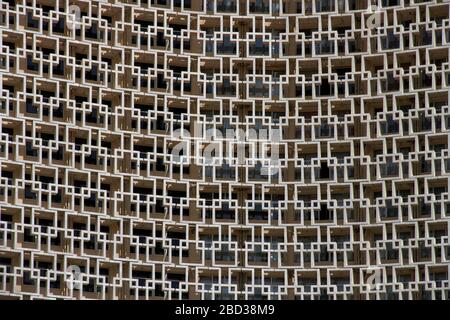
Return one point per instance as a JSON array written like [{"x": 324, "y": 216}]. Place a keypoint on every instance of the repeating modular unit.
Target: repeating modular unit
[{"x": 224, "y": 149}]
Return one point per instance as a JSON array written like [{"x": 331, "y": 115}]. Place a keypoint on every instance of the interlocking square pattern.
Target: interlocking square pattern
[{"x": 346, "y": 196}]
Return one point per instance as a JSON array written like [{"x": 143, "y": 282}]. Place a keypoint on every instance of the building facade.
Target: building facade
[{"x": 224, "y": 149}]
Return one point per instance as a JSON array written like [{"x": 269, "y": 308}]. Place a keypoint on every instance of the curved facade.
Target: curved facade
[{"x": 224, "y": 149}]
